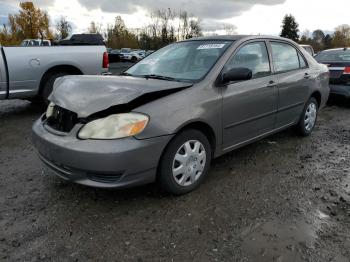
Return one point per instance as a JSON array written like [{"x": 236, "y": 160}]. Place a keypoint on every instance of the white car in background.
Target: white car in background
[
  {"x": 36, "y": 42},
  {"x": 134, "y": 56},
  {"x": 309, "y": 49}
]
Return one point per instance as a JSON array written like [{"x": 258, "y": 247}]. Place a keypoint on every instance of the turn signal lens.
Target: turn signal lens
[
  {"x": 49, "y": 111},
  {"x": 347, "y": 70}
]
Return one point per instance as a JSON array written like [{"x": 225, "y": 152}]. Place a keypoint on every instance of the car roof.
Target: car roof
[
  {"x": 337, "y": 49},
  {"x": 237, "y": 37}
]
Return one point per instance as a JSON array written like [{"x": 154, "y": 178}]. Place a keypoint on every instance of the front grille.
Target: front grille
[
  {"x": 62, "y": 119},
  {"x": 105, "y": 178}
]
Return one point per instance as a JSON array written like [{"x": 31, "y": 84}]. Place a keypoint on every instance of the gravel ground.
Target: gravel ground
[{"x": 284, "y": 198}]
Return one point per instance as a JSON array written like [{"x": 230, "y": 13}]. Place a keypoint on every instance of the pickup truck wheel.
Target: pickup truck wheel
[
  {"x": 35, "y": 100},
  {"x": 184, "y": 163},
  {"x": 48, "y": 85},
  {"x": 308, "y": 118}
]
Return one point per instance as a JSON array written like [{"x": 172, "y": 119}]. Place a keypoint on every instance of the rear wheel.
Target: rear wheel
[
  {"x": 185, "y": 162},
  {"x": 48, "y": 85},
  {"x": 308, "y": 118}
]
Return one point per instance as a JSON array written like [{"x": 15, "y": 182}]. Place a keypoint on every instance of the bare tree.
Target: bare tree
[
  {"x": 230, "y": 29},
  {"x": 342, "y": 36},
  {"x": 95, "y": 28},
  {"x": 63, "y": 28},
  {"x": 183, "y": 26}
]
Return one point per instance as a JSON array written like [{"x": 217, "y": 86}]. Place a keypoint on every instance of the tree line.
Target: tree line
[
  {"x": 165, "y": 26},
  {"x": 318, "y": 39}
]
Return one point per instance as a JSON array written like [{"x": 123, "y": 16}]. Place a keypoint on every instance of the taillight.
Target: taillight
[
  {"x": 346, "y": 70},
  {"x": 105, "y": 61}
]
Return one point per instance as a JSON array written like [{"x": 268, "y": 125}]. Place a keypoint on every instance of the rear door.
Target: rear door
[
  {"x": 293, "y": 76},
  {"x": 249, "y": 107}
]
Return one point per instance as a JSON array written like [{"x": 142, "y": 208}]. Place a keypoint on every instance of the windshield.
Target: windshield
[
  {"x": 183, "y": 61},
  {"x": 34, "y": 43},
  {"x": 334, "y": 56}
]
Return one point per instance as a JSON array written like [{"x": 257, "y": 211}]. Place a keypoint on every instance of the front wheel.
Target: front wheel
[
  {"x": 184, "y": 163},
  {"x": 308, "y": 118},
  {"x": 48, "y": 85}
]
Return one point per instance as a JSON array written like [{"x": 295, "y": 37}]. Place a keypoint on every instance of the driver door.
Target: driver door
[{"x": 249, "y": 107}]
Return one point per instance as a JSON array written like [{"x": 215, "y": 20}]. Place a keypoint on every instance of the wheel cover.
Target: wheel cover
[
  {"x": 310, "y": 117},
  {"x": 189, "y": 162}
]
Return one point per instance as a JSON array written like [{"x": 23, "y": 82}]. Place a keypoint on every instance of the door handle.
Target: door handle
[
  {"x": 272, "y": 84},
  {"x": 307, "y": 76}
]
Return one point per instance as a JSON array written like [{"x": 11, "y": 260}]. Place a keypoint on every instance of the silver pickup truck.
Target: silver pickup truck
[{"x": 29, "y": 72}]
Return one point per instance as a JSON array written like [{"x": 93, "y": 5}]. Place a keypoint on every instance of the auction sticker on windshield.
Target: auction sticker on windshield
[{"x": 211, "y": 46}]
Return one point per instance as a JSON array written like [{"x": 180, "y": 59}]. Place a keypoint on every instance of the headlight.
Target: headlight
[
  {"x": 49, "y": 111},
  {"x": 114, "y": 126}
]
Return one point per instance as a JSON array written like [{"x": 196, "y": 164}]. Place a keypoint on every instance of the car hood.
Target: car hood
[{"x": 86, "y": 95}]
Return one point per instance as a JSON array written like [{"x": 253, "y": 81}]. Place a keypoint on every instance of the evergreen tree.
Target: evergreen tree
[
  {"x": 290, "y": 28},
  {"x": 328, "y": 41}
]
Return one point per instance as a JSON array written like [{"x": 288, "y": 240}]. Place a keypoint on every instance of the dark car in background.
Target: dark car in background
[
  {"x": 83, "y": 39},
  {"x": 167, "y": 116},
  {"x": 338, "y": 62},
  {"x": 114, "y": 56}
]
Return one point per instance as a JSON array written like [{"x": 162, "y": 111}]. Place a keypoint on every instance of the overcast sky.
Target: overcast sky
[{"x": 249, "y": 16}]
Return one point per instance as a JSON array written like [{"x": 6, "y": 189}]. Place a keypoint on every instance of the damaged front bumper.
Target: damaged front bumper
[{"x": 99, "y": 163}]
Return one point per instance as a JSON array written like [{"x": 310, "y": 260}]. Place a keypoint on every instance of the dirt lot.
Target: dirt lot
[{"x": 285, "y": 198}]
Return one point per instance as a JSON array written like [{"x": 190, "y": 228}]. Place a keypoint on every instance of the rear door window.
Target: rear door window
[{"x": 285, "y": 57}]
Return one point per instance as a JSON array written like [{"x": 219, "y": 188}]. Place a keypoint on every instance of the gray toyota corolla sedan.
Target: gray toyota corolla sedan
[{"x": 165, "y": 118}]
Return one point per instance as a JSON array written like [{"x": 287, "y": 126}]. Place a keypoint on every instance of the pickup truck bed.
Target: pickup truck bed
[{"x": 25, "y": 72}]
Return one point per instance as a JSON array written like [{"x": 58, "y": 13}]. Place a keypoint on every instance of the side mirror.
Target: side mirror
[{"x": 237, "y": 74}]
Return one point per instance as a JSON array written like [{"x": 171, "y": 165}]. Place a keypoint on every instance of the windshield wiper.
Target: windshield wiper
[
  {"x": 153, "y": 76},
  {"x": 126, "y": 74}
]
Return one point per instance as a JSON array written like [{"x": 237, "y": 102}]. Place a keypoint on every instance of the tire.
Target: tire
[
  {"x": 134, "y": 59},
  {"x": 195, "y": 166},
  {"x": 304, "y": 126},
  {"x": 48, "y": 85},
  {"x": 35, "y": 100}
]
